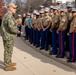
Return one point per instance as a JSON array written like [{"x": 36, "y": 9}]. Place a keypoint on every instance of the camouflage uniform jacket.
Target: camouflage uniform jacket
[{"x": 8, "y": 28}]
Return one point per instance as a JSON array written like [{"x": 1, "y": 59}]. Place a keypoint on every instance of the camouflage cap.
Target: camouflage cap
[{"x": 12, "y": 5}]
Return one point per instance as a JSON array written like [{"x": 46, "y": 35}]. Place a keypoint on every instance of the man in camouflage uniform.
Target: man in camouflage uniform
[{"x": 9, "y": 30}]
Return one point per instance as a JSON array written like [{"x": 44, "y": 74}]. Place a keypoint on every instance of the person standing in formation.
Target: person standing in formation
[{"x": 19, "y": 24}]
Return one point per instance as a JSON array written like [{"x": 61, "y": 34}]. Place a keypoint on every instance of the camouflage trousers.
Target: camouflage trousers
[{"x": 8, "y": 50}]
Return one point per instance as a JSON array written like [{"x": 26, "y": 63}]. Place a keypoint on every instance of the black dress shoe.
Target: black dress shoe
[
  {"x": 59, "y": 56},
  {"x": 46, "y": 49},
  {"x": 70, "y": 60},
  {"x": 30, "y": 42},
  {"x": 51, "y": 53},
  {"x": 37, "y": 46},
  {"x": 33, "y": 44},
  {"x": 68, "y": 57},
  {"x": 25, "y": 39},
  {"x": 41, "y": 48}
]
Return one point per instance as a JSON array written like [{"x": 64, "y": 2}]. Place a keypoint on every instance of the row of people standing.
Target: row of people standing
[{"x": 56, "y": 28}]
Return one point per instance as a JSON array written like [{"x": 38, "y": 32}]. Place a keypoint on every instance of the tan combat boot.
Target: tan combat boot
[
  {"x": 10, "y": 68},
  {"x": 13, "y": 64}
]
